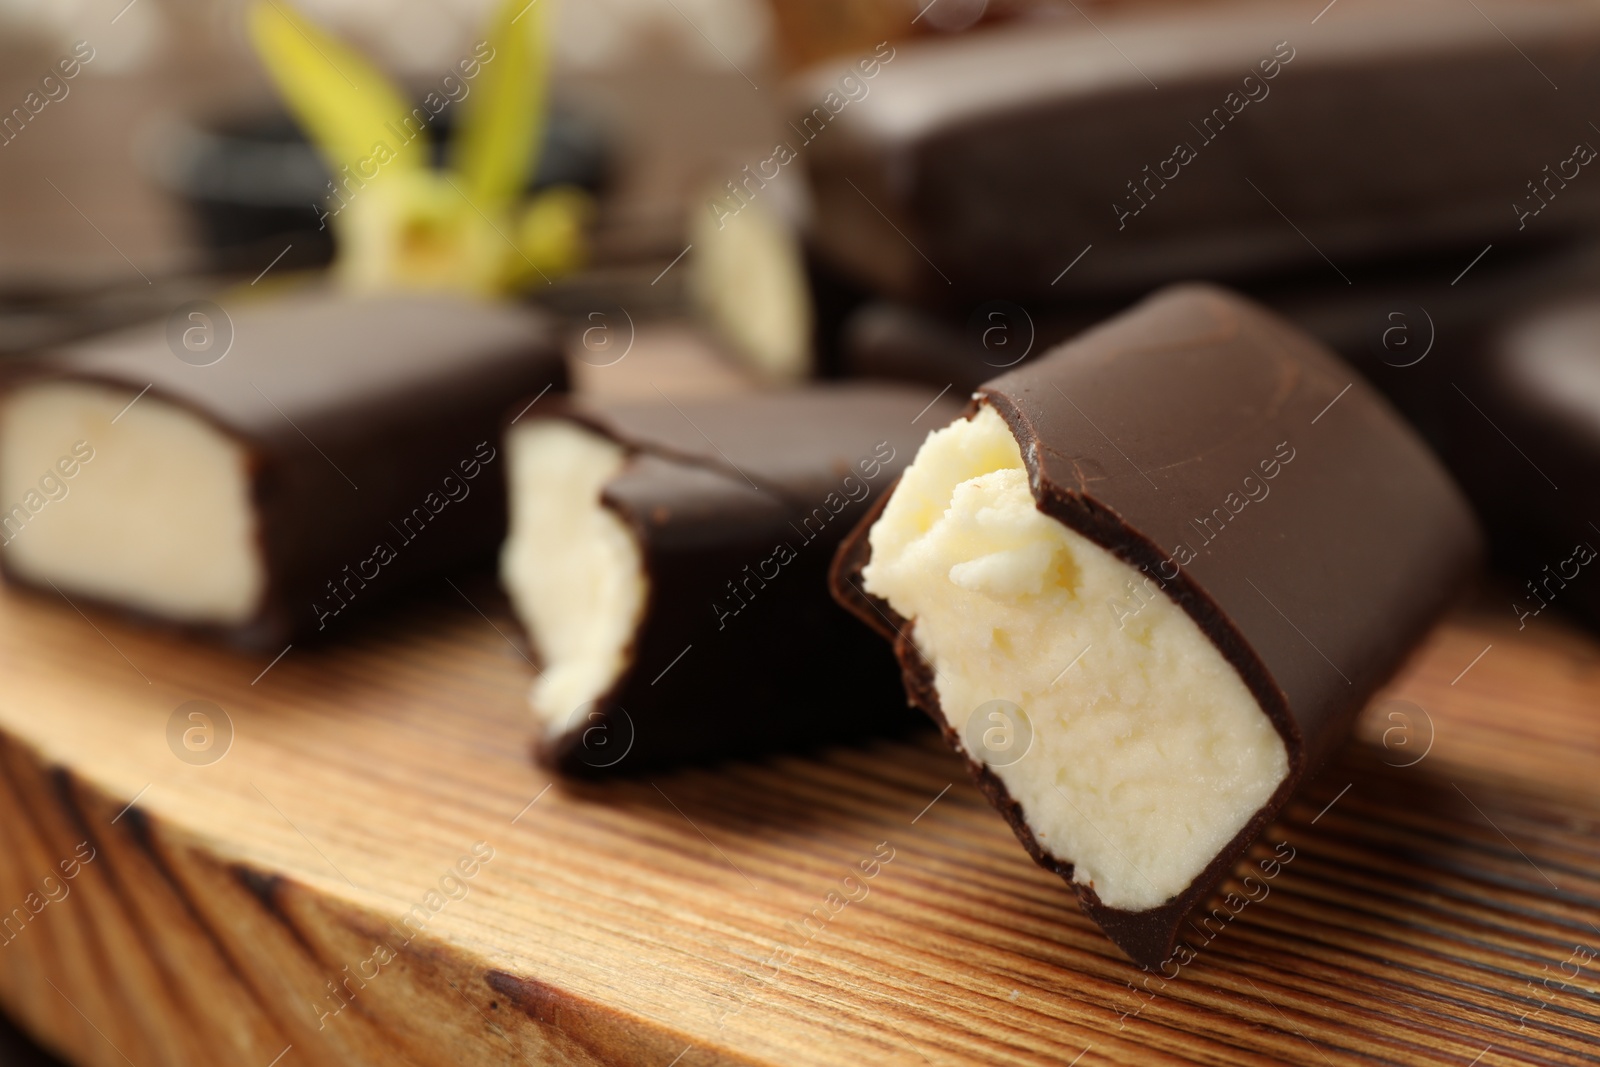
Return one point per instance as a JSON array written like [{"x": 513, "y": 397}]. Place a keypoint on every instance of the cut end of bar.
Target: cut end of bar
[
  {"x": 144, "y": 505},
  {"x": 573, "y": 569},
  {"x": 748, "y": 279},
  {"x": 1138, "y": 753}
]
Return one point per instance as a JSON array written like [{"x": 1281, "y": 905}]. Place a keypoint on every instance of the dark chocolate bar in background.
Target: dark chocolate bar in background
[
  {"x": 1412, "y": 326},
  {"x": 1526, "y": 426},
  {"x": 1229, "y": 537},
  {"x": 298, "y": 463},
  {"x": 984, "y": 166},
  {"x": 34, "y": 318},
  {"x": 669, "y": 561},
  {"x": 890, "y": 341}
]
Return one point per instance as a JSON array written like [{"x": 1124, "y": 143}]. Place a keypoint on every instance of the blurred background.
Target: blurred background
[
  {"x": 171, "y": 164},
  {"x": 1409, "y": 192},
  {"x": 129, "y": 176}
]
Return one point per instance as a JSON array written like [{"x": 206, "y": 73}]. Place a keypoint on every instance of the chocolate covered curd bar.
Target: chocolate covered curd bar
[
  {"x": 1146, "y": 582},
  {"x": 985, "y": 166},
  {"x": 327, "y": 452},
  {"x": 669, "y": 562}
]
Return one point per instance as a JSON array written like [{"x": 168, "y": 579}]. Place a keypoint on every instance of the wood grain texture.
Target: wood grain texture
[{"x": 638, "y": 922}]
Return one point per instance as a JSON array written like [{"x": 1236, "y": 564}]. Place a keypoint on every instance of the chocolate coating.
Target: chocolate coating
[
  {"x": 900, "y": 342},
  {"x": 353, "y": 413},
  {"x": 738, "y": 654},
  {"x": 1314, "y": 592},
  {"x": 982, "y": 166},
  {"x": 1404, "y": 326},
  {"x": 1527, "y": 428}
]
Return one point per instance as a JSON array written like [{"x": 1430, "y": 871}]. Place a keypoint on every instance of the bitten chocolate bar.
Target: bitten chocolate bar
[
  {"x": 334, "y": 450},
  {"x": 669, "y": 562},
  {"x": 1035, "y": 161},
  {"x": 1147, "y": 581}
]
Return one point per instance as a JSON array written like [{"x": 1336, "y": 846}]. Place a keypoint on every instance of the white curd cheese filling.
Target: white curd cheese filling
[
  {"x": 1147, "y": 752},
  {"x": 571, "y": 566},
  {"x": 147, "y": 506},
  {"x": 749, "y": 280}
]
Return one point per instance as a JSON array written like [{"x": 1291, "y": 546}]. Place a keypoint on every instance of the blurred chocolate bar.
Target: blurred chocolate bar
[
  {"x": 1412, "y": 325},
  {"x": 892, "y": 341},
  {"x": 1527, "y": 441},
  {"x": 37, "y": 317},
  {"x": 1227, "y": 140},
  {"x": 266, "y": 471},
  {"x": 669, "y": 562}
]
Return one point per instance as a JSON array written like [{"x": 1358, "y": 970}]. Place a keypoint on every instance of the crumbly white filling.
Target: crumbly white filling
[
  {"x": 572, "y": 568},
  {"x": 160, "y": 519},
  {"x": 1149, "y": 754}
]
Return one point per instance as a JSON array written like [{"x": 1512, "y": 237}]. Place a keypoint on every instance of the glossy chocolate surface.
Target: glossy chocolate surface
[
  {"x": 985, "y": 166},
  {"x": 1271, "y": 492}
]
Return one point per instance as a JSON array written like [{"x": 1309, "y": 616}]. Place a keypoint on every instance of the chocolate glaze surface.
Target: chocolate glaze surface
[
  {"x": 1152, "y": 435},
  {"x": 980, "y": 167}
]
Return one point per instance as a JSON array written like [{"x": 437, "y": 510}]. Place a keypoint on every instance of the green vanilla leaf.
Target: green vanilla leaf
[
  {"x": 352, "y": 113},
  {"x": 502, "y": 124}
]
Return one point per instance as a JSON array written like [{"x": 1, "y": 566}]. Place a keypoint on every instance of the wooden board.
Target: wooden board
[{"x": 664, "y": 921}]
